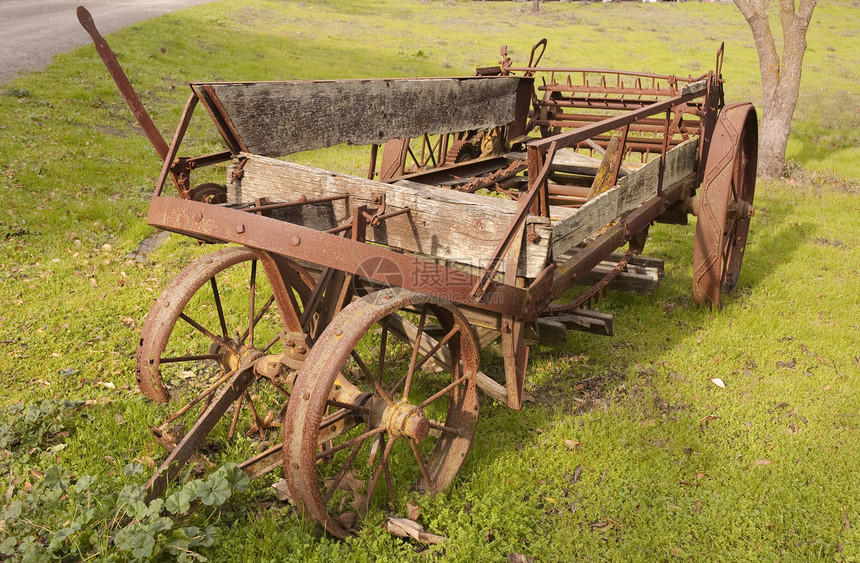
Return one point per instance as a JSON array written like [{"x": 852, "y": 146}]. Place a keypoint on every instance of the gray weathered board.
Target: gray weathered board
[
  {"x": 630, "y": 192},
  {"x": 455, "y": 226},
  {"x": 280, "y": 118}
]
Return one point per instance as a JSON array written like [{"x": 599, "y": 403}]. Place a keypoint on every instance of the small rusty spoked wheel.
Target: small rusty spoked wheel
[
  {"x": 384, "y": 408},
  {"x": 220, "y": 313},
  {"x": 724, "y": 205}
]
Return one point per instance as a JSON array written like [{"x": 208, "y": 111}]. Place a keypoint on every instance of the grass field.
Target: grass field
[{"x": 630, "y": 452}]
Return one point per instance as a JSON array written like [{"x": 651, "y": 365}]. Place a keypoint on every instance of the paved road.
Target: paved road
[{"x": 33, "y": 31}]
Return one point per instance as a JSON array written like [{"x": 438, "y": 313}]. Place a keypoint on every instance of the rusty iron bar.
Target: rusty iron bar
[
  {"x": 525, "y": 202},
  {"x": 172, "y": 151},
  {"x": 256, "y": 231},
  {"x": 571, "y": 138},
  {"x": 591, "y": 292},
  {"x": 119, "y": 77},
  {"x": 299, "y": 202}
]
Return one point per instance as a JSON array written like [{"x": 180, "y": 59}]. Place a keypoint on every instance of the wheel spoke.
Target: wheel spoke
[
  {"x": 206, "y": 393},
  {"x": 437, "y": 346},
  {"x": 258, "y": 422},
  {"x": 218, "y": 306},
  {"x": 252, "y": 290},
  {"x": 442, "y": 428},
  {"x": 415, "y": 350},
  {"x": 346, "y": 466},
  {"x": 334, "y": 417},
  {"x": 728, "y": 244},
  {"x": 348, "y": 406},
  {"x": 383, "y": 464},
  {"x": 443, "y": 391},
  {"x": 348, "y": 443},
  {"x": 237, "y": 409},
  {"x": 257, "y": 320},
  {"x": 204, "y": 330},
  {"x": 424, "y": 473},
  {"x": 369, "y": 375},
  {"x": 196, "y": 358}
]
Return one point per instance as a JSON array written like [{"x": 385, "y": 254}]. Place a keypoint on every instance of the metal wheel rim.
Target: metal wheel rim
[
  {"x": 317, "y": 378},
  {"x": 728, "y": 185}
]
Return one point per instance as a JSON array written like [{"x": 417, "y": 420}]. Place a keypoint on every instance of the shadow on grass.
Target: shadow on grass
[{"x": 587, "y": 373}]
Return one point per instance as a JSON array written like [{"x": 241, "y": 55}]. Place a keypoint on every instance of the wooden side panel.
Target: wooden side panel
[
  {"x": 631, "y": 191},
  {"x": 280, "y": 118},
  {"x": 450, "y": 225}
]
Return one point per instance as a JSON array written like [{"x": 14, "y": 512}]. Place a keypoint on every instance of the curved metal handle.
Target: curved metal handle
[
  {"x": 121, "y": 81},
  {"x": 533, "y": 62}
]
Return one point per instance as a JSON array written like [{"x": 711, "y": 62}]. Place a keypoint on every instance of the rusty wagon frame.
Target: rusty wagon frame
[{"x": 487, "y": 197}]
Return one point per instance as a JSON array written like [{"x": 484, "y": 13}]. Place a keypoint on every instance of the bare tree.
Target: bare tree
[{"x": 780, "y": 79}]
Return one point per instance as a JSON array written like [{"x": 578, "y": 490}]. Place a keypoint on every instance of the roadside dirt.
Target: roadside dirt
[{"x": 33, "y": 32}]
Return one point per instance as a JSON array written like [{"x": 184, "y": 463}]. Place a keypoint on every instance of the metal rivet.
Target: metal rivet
[
  {"x": 295, "y": 240},
  {"x": 198, "y": 216},
  {"x": 307, "y": 396},
  {"x": 338, "y": 331},
  {"x": 240, "y": 228}
]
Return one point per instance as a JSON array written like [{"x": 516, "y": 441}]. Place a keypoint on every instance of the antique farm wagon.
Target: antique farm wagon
[{"x": 339, "y": 318}]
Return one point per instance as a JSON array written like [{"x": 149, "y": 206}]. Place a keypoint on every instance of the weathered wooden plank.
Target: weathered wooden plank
[
  {"x": 586, "y": 320},
  {"x": 642, "y": 274},
  {"x": 280, "y": 118},
  {"x": 454, "y": 226},
  {"x": 631, "y": 191}
]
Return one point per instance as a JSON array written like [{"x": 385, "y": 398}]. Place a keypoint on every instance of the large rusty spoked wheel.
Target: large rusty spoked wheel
[
  {"x": 724, "y": 205},
  {"x": 375, "y": 420},
  {"x": 216, "y": 317}
]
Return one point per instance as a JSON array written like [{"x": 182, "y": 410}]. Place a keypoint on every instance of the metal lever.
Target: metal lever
[{"x": 121, "y": 80}]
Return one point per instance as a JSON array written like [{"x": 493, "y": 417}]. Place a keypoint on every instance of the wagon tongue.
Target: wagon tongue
[{"x": 122, "y": 82}]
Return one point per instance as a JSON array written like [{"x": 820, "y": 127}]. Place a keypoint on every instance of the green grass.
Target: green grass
[{"x": 772, "y": 478}]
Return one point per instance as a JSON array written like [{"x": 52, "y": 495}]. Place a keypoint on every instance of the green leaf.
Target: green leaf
[
  {"x": 154, "y": 508},
  {"x": 84, "y": 483},
  {"x": 7, "y": 546},
  {"x": 133, "y": 468},
  {"x": 56, "y": 477},
  {"x": 235, "y": 476},
  {"x": 130, "y": 494},
  {"x": 13, "y": 511},
  {"x": 179, "y": 502},
  {"x": 137, "y": 509},
  {"x": 209, "y": 536},
  {"x": 214, "y": 491},
  {"x": 137, "y": 539},
  {"x": 85, "y": 516},
  {"x": 60, "y": 536},
  {"x": 189, "y": 556},
  {"x": 161, "y": 524}
]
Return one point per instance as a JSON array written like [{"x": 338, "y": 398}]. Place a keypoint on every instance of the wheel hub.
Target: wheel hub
[{"x": 405, "y": 419}]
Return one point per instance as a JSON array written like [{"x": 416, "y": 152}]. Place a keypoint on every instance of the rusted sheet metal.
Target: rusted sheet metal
[
  {"x": 213, "y": 222},
  {"x": 279, "y": 118}
]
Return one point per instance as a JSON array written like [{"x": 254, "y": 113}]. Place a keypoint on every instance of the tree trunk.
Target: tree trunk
[
  {"x": 536, "y": 5},
  {"x": 780, "y": 80}
]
